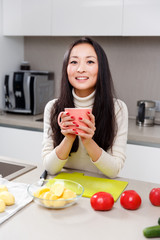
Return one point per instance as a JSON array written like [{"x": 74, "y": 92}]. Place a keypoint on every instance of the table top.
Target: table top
[{"x": 80, "y": 220}]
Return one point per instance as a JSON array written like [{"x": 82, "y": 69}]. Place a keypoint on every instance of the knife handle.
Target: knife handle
[{"x": 44, "y": 175}]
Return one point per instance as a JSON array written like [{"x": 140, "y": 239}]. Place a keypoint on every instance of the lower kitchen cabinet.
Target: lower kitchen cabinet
[
  {"x": 21, "y": 144},
  {"x": 142, "y": 163}
]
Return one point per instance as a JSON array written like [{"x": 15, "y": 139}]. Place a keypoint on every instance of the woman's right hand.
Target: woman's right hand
[{"x": 66, "y": 124}]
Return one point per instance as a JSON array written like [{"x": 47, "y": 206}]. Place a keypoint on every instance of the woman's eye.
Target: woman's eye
[
  {"x": 90, "y": 62},
  {"x": 73, "y": 62}
]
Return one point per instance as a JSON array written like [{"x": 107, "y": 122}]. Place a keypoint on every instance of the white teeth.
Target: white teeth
[{"x": 81, "y": 78}]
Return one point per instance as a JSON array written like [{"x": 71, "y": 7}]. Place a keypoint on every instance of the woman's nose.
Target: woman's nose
[{"x": 81, "y": 67}]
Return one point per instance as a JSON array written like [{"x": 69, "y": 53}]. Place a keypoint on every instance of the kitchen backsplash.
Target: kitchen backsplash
[{"x": 134, "y": 63}]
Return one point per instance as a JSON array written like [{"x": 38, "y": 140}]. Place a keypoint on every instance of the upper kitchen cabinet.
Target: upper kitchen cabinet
[
  {"x": 87, "y": 17},
  {"x": 31, "y": 17},
  {"x": 141, "y": 18},
  {"x": 80, "y": 18}
]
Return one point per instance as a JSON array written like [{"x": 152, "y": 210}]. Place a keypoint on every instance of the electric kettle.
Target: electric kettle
[{"x": 145, "y": 113}]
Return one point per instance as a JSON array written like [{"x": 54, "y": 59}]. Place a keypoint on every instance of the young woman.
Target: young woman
[{"x": 86, "y": 83}]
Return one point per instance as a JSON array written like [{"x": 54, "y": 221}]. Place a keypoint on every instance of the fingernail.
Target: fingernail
[
  {"x": 77, "y": 125},
  {"x": 72, "y": 117},
  {"x": 67, "y": 113},
  {"x": 76, "y": 132},
  {"x": 80, "y": 118},
  {"x": 74, "y": 122},
  {"x": 88, "y": 112}
]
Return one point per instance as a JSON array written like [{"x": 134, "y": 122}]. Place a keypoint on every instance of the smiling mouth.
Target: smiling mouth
[{"x": 82, "y": 78}]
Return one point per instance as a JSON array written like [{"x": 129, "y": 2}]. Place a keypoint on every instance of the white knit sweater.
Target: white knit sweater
[{"x": 109, "y": 163}]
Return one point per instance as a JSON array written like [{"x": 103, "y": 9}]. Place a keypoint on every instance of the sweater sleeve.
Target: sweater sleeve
[
  {"x": 112, "y": 161},
  {"x": 50, "y": 160}
]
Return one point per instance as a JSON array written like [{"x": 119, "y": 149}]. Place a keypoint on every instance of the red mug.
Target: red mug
[{"x": 77, "y": 113}]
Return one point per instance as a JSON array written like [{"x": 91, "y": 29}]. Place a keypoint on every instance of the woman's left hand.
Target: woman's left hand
[
  {"x": 89, "y": 128},
  {"x": 92, "y": 148}
]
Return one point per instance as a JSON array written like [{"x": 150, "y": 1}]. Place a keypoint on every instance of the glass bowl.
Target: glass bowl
[{"x": 50, "y": 196}]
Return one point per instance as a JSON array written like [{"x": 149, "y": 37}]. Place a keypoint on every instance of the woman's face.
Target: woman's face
[{"x": 82, "y": 69}]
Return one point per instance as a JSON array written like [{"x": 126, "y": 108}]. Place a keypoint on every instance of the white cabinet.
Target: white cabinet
[
  {"x": 11, "y": 17},
  {"x": 21, "y": 144},
  {"x": 81, "y": 18},
  {"x": 141, "y": 18},
  {"x": 31, "y": 17},
  {"x": 62, "y": 18},
  {"x": 87, "y": 17},
  {"x": 142, "y": 163}
]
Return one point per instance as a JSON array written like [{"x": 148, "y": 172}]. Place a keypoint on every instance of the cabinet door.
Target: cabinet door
[
  {"x": 31, "y": 17},
  {"x": 142, "y": 163},
  {"x": 91, "y": 17},
  {"x": 141, "y": 18},
  {"x": 36, "y": 17},
  {"x": 12, "y": 24},
  {"x": 21, "y": 144}
]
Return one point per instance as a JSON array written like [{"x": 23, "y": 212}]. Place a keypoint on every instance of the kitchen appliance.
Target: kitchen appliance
[
  {"x": 27, "y": 91},
  {"x": 145, "y": 113}
]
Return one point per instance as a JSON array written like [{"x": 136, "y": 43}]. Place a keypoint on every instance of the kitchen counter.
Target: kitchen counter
[
  {"x": 148, "y": 136},
  {"x": 22, "y": 121},
  {"x": 80, "y": 221}
]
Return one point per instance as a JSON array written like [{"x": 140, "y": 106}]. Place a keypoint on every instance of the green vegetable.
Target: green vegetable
[
  {"x": 159, "y": 220},
  {"x": 152, "y": 232}
]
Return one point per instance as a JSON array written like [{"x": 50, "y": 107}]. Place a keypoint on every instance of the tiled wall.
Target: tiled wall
[{"x": 134, "y": 63}]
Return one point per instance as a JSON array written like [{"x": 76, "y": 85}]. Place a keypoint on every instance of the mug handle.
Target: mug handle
[{"x": 59, "y": 119}]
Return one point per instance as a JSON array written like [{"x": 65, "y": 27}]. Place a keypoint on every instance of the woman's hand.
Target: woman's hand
[
  {"x": 93, "y": 150},
  {"x": 65, "y": 122},
  {"x": 88, "y": 129}
]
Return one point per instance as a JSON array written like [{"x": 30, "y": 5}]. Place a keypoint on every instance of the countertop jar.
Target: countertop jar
[{"x": 25, "y": 66}]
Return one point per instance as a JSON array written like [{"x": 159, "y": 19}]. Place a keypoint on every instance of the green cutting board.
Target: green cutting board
[{"x": 94, "y": 184}]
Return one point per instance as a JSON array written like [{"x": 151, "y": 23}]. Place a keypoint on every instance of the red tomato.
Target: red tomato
[
  {"x": 130, "y": 200},
  {"x": 154, "y": 196},
  {"x": 102, "y": 201}
]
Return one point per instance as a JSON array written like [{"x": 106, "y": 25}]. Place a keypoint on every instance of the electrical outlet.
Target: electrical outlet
[{"x": 157, "y": 105}]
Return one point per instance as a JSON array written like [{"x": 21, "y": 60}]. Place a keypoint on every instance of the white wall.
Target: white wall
[{"x": 11, "y": 54}]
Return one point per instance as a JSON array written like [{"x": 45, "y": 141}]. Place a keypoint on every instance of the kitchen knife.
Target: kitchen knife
[{"x": 42, "y": 178}]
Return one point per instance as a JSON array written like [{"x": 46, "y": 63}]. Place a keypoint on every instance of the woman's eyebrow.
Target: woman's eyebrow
[
  {"x": 91, "y": 57},
  {"x": 86, "y": 57},
  {"x": 73, "y": 56}
]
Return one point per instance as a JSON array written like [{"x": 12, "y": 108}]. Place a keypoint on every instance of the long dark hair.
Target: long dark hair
[{"x": 103, "y": 107}]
